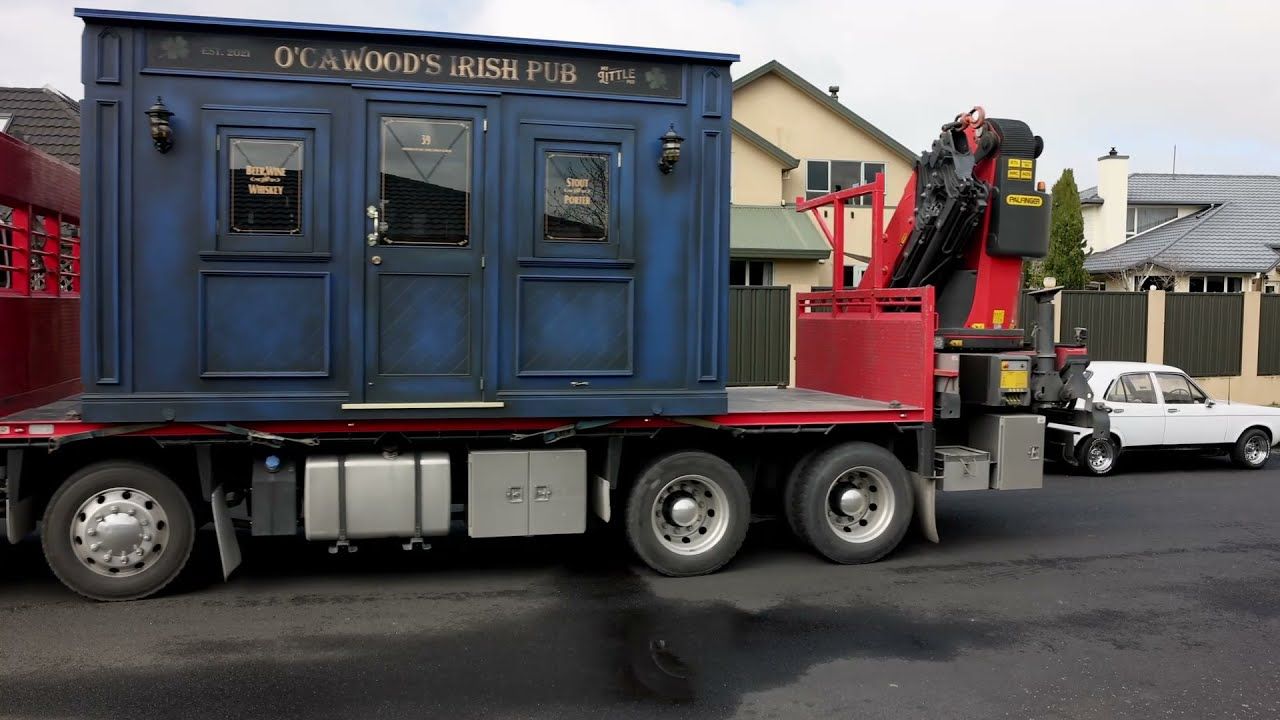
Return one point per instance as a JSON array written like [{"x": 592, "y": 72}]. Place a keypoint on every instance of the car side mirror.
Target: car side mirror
[{"x": 1209, "y": 402}]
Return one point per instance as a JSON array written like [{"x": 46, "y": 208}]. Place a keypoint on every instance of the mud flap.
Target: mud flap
[
  {"x": 228, "y": 546},
  {"x": 925, "y": 489}
]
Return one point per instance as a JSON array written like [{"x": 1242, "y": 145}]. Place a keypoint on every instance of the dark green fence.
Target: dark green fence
[
  {"x": 759, "y": 335},
  {"x": 1202, "y": 332},
  {"x": 1116, "y": 321},
  {"x": 1269, "y": 336}
]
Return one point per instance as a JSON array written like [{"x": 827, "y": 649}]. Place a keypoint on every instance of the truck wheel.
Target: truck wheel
[
  {"x": 687, "y": 514},
  {"x": 1097, "y": 456},
  {"x": 788, "y": 491},
  {"x": 1252, "y": 450},
  {"x": 853, "y": 503},
  {"x": 118, "y": 530}
]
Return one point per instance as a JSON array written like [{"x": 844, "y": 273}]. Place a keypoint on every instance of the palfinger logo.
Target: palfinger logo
[{"x": 1024, "y": 200}]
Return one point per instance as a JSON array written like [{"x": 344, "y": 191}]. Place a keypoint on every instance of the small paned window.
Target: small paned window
[
  {"x": 7, "y": 248},
  {"x": 69, "y": 258},
  {"x": 38, "y": 257},
  {"x": 266, "y": 186},
  {"x": 425, "y": 181},
  {"x": 576, "y": 205}
]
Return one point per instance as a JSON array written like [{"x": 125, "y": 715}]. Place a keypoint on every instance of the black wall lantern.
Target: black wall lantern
[
  {"x": 161, "y": 131},
  {"x": 670, "y": 150}
]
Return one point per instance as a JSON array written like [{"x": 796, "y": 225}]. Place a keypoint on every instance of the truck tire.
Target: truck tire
[
  {"x": 687, "y": 514},
  {"x": 118, "y": 530},
  {"x": 1252, "y": 450},
  {"x": 788, "y": 492},
  {"x": 1098, "y": 456},
  {"x": 853, "y": 503}
]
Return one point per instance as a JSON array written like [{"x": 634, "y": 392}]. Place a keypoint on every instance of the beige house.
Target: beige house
[
  {"x": 791, "y": 140},
  {"x": 1182, "y": 233}
]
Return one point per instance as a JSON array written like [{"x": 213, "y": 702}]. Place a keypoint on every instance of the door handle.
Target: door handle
[
  {"x": 1173, "y": 410},
  {"x": 1117, "y": 411},
  {"x": 376, "y": 259}
]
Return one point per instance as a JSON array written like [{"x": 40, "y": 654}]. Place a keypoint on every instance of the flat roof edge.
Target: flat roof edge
[{"x": 148, "y": 18}]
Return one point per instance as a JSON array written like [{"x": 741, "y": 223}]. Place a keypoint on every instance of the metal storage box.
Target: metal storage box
[
  {"x": 374, "y": 496},
  {"x": 526, "y": 492},
  {"x": 1016, "y": 444},
  {"x": 962, "y": 468}
]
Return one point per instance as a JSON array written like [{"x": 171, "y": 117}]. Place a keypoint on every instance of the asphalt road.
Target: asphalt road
[{"x": 1154, "y": 594}]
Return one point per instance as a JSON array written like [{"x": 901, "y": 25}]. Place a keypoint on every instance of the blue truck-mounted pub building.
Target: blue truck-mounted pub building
[{"x": 292, "y": 221}]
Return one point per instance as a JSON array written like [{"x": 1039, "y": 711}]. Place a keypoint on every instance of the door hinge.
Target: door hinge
[
  {"x": 619, "y": 158},
  {"x": 484, "y": 125},
  {"x": 217, "y": 142},
  {"x": 482, "y": 382},
  {"x": 482, "y": 262}
]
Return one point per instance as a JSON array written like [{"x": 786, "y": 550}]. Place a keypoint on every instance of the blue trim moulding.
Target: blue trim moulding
[{"x": 248, "y": 280}]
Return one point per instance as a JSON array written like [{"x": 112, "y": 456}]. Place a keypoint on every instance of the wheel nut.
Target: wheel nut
[
  {"x": 107, "y": 557},
  {"x": 145, "y": 538},
  {"x": 94, "y": 547},
  {"x": 115, "y": 508},
  {"x": 133, "y": 511},
  {"x": 143, "y": 522},
  {"x": 91, "y": 531}
]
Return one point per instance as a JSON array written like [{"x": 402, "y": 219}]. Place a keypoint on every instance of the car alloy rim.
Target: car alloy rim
[
  {"x": 1255, "y": 450},
  {"x": 859, "y": 504},
  {"x": 690, "y": 514},
  {"x": 1100, "y": 455},
  {"x": 119, "y": 532}
]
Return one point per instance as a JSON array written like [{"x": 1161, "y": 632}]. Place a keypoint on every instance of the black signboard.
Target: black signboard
[{"x": 410, "y": 63}]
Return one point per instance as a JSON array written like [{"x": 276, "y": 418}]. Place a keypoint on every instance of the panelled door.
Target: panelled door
[{"x": 423, "y": 254}]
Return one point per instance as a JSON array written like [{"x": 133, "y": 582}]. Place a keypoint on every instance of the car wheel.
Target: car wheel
[
  {"x": 1097, "y": 456},
  {"x": 1252, "y": 450}
]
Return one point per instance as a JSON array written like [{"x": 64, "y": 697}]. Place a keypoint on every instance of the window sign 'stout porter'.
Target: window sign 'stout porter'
[{"x": 294, "y": 222}]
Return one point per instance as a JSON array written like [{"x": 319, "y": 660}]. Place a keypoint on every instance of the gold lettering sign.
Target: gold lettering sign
[
  {"x": 266, "y": 185},
  {"x": 576, "y": 202},
  {"x": 585, "y": 72}
]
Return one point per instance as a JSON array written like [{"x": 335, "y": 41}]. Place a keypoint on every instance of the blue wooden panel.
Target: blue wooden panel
[
  {"x": 258, "y": 324},
  {"x": 108, "y": 58},
  {"x": 575, "y": 326},
  {"x": 424, "y": 324}
]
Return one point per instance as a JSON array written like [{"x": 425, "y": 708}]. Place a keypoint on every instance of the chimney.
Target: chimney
[
  {"x": 1113, "y": 188},
  {"x": 835, "y": 91}
]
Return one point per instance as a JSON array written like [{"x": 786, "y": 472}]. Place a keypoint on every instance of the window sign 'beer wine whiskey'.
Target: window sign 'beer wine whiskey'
[{"x": 433, "y": 64}]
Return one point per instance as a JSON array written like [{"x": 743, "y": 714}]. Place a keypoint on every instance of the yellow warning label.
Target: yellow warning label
[
  {"x": 979, "y": 326},
  {"x": 1013, "y": 379},
  {"x": 1026, "y": 174},
  {"x": 1024, "y": 200},
  {"x": 997, "y": 317}
]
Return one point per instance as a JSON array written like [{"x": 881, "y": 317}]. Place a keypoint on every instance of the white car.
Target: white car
[{"x": 1158, "y": 407}]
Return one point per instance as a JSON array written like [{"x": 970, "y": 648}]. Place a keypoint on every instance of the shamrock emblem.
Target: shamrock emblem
[
  {"x": 174, "y": 48},
  {"x": 656, "y": 78}
]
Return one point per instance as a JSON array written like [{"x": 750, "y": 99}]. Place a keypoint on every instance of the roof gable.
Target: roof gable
[
  {"x": 776, "y": 68},
  {"x": 785, "y": 159},
  {"x": 45, "y": 118}
]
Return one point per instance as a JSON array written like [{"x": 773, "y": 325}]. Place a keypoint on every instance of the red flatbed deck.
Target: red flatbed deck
[{"x": 748, "y": 408}]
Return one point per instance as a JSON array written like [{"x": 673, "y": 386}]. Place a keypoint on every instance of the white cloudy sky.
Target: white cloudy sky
[{"x": 1086, "y": 74}]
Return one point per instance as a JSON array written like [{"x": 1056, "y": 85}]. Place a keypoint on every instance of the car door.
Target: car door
[
  {"x": 1137, "y": 416},
  {"x": 1190, "y": 418}
]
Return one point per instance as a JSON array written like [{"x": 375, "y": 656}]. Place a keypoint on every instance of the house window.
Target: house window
[
  {"x": 5, "y": 119},
  {"x": 1215, "y": 283},
  {"x": 1271, "y": 288},
  {"x": 754, "y": 273},
  {"x": 1142, "y": 219},
  {"x": 826, "y": 176},
  {"x": 1153, "y": 282}
]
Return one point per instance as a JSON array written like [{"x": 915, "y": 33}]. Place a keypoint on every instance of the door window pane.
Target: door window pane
[
  {"x": 266, "y": 186},
  {"x": 1175, "y": 389},
  {"x": 425, "y": 183},
  {"x": 1138, "y": 388},
  {"x": 576, "y": 204}
]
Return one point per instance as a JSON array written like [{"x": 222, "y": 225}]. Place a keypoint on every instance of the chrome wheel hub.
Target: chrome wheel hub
[
  {"x": 119, "y": 532},
  {"x": 690, "y": 514},
  {"x": 1100, "y": 456},
  {"x": 860, "y": 504},
  {"x": 1256, "y": 450}
]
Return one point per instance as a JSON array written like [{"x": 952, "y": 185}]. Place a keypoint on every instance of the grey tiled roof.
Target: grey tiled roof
[
  {"x": 45, "y": 118},
  {"x": 1238, "y": 231}
]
